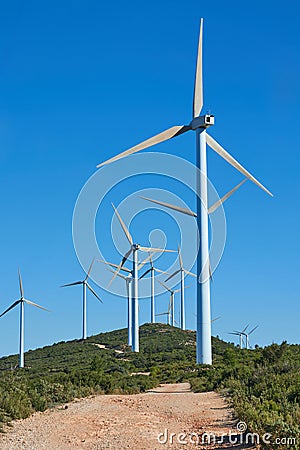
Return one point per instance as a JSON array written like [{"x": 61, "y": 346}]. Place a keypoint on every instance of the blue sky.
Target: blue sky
[{"x": 81, "y": 81}]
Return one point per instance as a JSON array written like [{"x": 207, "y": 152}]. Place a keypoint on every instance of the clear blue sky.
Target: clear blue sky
[{"x": 79, "y": 82}]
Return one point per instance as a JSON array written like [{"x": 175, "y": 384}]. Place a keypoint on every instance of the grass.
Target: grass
[{"x": 262, "y": 384}]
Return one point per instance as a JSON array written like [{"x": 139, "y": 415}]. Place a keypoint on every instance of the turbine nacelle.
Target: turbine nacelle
[{"x": 202, "y": 121}]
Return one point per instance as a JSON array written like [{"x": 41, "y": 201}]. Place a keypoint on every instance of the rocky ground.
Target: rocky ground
[{"x": 169, "y": 417}]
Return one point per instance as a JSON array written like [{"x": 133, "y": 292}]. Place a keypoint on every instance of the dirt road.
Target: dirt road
[{"x": 146, "y": 421}]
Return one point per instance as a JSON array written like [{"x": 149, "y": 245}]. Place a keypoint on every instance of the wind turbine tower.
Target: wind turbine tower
[
  {"x": 199, "y": 124},
  {"x": 85, "y": 284},
  {"x": 22, "y": 302}
]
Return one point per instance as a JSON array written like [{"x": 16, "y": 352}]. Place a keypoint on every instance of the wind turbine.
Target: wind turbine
[
  {"x": 128, "y": 281},
  {"x": 247, "y": 336},
  {"x": 22, "y": 301},
  {"x": 240, "y": 334},
  {"x": 243, "y": 333},
  {"x": 85, "y": 285},
  {"x": 171, "y": 302},
  {"x": 152, "y": 271},
  {"x": 182, "y": 272},
  {"x": 199, "y": 124},
  {"x": 168, "y": 314},
  {"x": 134, "y": 249}
]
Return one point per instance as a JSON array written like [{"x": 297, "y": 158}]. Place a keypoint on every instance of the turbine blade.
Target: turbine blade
[
  {"x": 216, "y": 318},
  {"x": 226, "y": 196},
  {"x": 125, "y": 257},
  {"x": 161, "y": 314},
  {"x": 253, "y": 330},
  {"x": 118, "y": 274},
  {"x": 161, "y": 137},
  {"x": 153, "y": 250},
  {"x": 165, "y": 286},
  {"x": 170, "y": 304},
  {"x": 198, "y": 88},
  {"x": 210, "y": 272},
  {"x": 114, "y": 265},
  {"x": 161, "y": 271},
  {"x": 245, "y": 328},
  {"x": 125, "y": 229},
  {"x": 144, "y": 274},
  {"x": 35, "y": 304},
  {"x": 93, "y": 292},
  {"x": 168, "y": 205},
  {"x": 144, "y": 261},
  {"x": 90, "y": 268},
  {"x": 11, "y": 307},
  {"x": 225, "y": 155},
  {"x": 190, "y": 273},
  {"x": 72, "y": 284},
  {"x": 21, "y": 284},
  {"x": 173, "y": 275},
  {"x": 180, "y": 257}
]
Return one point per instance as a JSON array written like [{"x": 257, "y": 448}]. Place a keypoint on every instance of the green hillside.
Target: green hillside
[{"x": 263, "y": 384}]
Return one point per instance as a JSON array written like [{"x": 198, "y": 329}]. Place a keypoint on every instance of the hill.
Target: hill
[{"x": 263, "y": 384}]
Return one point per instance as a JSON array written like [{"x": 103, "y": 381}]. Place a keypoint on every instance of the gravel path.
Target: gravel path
[{"x": 119, "y": 422}]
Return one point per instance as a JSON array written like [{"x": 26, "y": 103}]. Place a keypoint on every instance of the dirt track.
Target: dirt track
[{"x": 119, "y": 422}]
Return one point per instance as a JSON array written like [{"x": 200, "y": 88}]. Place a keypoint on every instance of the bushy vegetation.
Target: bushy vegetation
[{"x": 262, "y": 384}]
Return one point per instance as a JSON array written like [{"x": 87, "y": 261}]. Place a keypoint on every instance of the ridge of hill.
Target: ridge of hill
[{"x": 263, "y": 384}]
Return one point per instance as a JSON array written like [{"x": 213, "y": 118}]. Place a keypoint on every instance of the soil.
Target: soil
[{"x": 154, "y": 420}]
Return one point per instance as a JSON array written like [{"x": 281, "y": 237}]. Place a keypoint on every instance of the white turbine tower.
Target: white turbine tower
[
  {"x": 134, "y": 249},
  {"x": 199, "y": 124},
  {"x": 85, "y": 285},
  {"x": 22, "y": 302},
  {"x": 152, "y": 271},
  {"x": 182, "y": 272}
]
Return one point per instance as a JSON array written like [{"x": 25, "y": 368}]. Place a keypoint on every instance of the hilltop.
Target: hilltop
[{"x": 263, "y": 384}]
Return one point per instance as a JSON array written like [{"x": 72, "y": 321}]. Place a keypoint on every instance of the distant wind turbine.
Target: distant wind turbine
[
  {"x": 22, "y": 301},
  {"x": 199, "y": 124},
  {"x": 240, "y": 334},
  {"x": 172, "y": 301},
  {"x": 152, "y": 271},
  {"x": 167, "y": 314},
  {"x": 247, "y": 336},
  {"x": 134, "y": 249},
  {"x": 85, "y": 285},
  {"x": 182, "y": 272},
  {"x": 128, "y": 281}
]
